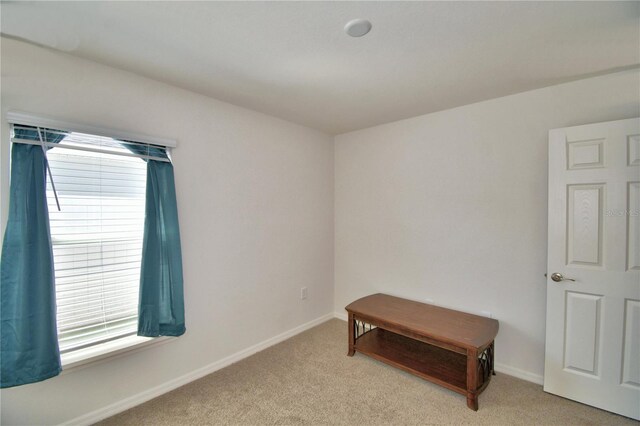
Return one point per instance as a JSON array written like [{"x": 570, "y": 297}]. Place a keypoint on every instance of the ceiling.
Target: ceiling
[{"x": 294, "y": 61}]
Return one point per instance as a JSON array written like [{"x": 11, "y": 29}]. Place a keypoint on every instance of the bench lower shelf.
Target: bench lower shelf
[{"x": 446, "y": 368}]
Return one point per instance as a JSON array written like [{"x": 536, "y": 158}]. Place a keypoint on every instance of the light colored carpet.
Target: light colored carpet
[{"x": 308, "y": 379}]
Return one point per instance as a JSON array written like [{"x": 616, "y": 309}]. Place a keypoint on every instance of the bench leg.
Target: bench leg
[
  {"x": 472, "y": 379},
  {"x": 493, "y": 355},
  {"x": 352, "y": 337},
  {"x": 472, "y": 402}
]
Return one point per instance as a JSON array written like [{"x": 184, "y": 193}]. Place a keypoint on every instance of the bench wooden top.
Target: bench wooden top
[{"x": 446, "y": 325}]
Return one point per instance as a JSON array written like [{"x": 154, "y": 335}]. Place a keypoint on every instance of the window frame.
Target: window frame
[{"x": 109, "y": 350}]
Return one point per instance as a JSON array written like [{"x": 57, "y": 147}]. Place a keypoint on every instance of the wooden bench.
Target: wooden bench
[{"x": 451, "y": 348}]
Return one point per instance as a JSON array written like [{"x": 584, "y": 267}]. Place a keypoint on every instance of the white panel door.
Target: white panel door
[{"x": 592, "y": 350}]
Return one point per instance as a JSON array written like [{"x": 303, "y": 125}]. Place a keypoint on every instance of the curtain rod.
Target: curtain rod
[
  {"x": 63, "y": 133},
  {"x": 26, "y": 119},
  {"x": 83, "y": 148}
]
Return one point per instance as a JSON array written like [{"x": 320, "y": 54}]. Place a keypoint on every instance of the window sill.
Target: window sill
[{"x": 109, "y": 350}]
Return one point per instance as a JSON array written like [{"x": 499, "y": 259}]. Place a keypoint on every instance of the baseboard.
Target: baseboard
[
  {"x": 520, "y": 374},
  {"x": 125, "y": 404},
  {"x": 501, "y": 368}
]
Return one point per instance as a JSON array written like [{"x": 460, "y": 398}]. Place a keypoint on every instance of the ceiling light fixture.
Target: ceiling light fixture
[{"x": 357, "y": 27}]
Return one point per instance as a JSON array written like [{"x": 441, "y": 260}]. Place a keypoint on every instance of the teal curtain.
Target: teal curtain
[
  {"x": 30, "y": 133},
  {"x": 28, "y": 343},
  {"x": 161, "y": 310},
  {"x": 149, "y": 150}
]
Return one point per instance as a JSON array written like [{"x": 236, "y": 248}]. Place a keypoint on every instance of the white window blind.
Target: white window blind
[{"x": 96, "y": 238}]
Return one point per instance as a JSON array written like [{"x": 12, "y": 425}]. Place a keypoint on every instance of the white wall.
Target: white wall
[
  {"x": 449, "y": 206},
  {"x": 452, "y": 206},
  {"x": 255, "y": 199}
]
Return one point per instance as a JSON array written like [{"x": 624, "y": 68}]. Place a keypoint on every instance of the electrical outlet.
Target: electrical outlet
[
  {"x": 429, "y": 301},
  {"x": 303, "y": 293},
  {"x": 486, "y": 314}
]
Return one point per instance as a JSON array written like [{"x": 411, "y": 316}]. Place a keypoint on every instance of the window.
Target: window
[
  {"x": 96, "y": 195},
  {"x": 96, "y": 238},
  {"x": 105, "y": 220}
]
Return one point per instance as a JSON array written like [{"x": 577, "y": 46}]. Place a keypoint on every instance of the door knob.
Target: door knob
[{"x": 557, "y": 277}]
